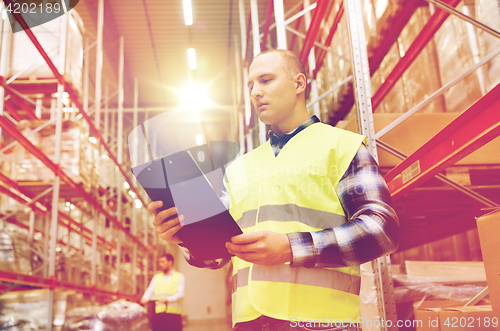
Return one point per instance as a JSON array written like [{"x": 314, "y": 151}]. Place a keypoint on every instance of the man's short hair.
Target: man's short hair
[
  {"x": 293, "y": 64},
  {"x": 168, "y": 256}
]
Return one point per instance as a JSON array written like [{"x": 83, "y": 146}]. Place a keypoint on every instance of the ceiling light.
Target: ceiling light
[
  {"x": 192, "y": 58},
  {"x": 194, "y": 97},
  {"x": 188, "y": 13}
]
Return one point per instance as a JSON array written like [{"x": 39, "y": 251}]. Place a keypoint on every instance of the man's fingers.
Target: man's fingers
[
  {"x": 153, "y": 206},
  {"x": 163, "y": 215},
  {"x": 241, "y": 248},
  {"x": 245, "y": 238},
  {"x": 166, "y": 222},
  {"x": 166, "y": 225},
  {"x": 170, "y": 234}
]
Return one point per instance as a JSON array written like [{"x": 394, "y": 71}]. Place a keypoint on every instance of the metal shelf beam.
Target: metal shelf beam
[
  {"x": 329, "y": 38},
  {"x": 8, "y": 127},
  {"x": 313, "y": 30},
  {"x": 472, "y": 129},
  {"x": 51, "y": 283},
  {"x": 70, "y": 224},
  {"x": 74, "y": 98}
]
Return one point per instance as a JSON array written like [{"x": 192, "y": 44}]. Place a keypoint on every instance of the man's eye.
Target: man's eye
[{"x": 266, "y": 80}]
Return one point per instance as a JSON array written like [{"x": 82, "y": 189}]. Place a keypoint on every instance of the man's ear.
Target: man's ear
[{"x": 300, "y": 83}]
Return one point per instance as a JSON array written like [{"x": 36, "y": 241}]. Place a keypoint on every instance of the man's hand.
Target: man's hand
[
  {"x": 167, "y": 229},
  {"x": 261, "y": 247},
  {"x": 163, "y": 300}
]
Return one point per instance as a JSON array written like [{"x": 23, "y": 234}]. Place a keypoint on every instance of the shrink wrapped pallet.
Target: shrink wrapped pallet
[
  {"x": 17, "y": 252},
  {"x": 21, "y": 254},
  {"x": 48, "y": 34},
  {"x": 421, "y": 284},
  {"x": 16, "y": 323},
  {"x": 119, "y": 315},
  {"x": 7, "y": 252},
  {"x": 31, "y": 306}
]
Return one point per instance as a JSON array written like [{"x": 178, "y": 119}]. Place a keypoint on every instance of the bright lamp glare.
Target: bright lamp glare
[
  {"x": 199, "y": 139},
  {"x": 192, "y": 58},
  {"x": 194, "y": 97},
  {"x": 188, "y": 12}
]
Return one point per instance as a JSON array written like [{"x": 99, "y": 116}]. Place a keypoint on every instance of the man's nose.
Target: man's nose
[{"x": 255, "y": 92}]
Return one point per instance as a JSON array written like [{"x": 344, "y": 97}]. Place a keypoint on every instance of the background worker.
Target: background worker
[
  {"x": 312, "y": 204},
  {"x": 167, "y": 291}
]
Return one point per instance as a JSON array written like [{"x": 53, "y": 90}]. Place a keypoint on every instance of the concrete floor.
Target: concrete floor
[{"x": 208, "y": 325}]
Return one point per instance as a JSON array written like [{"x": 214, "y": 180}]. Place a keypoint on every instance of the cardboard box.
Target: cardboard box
[
  {"x": 447, "y": 271},
  {"x": 488, "y": 227},
  {"x": 427, "y": 313},
  {"x": 475, "y": 318},
  {"x": 411, "y": 134}
]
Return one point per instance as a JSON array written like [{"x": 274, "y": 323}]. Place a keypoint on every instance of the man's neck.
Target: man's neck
[{"x": 292, "y": 123}]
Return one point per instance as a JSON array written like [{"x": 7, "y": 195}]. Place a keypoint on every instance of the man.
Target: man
[
  {"x": 312, "y": 204},
  {"x": 167, "y": 290}
]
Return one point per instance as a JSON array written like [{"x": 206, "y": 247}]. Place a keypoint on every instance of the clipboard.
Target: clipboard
[{"x": 177, "y": 180}]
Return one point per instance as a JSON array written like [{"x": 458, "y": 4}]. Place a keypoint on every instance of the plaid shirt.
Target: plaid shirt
[{"x": 371, "y": 229}]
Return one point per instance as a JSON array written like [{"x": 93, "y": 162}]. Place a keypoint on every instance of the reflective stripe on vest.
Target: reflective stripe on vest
[
  {"x": 168, "y": 288},
  {"x": 327, "y": 278},
  {"x": 293, "y": 192},
  {"x": 240, "y": 279},
  {"x": 292, "y": 213}
]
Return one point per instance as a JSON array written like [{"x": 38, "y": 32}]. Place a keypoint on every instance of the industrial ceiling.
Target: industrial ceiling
[{"x": 156, "y": 43}]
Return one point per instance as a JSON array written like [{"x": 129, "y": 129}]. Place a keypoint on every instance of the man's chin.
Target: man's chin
[{"x": 265, "y": 118}]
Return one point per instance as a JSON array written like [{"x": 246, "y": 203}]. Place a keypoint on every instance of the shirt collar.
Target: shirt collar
[{"x": 275, "y": 139}]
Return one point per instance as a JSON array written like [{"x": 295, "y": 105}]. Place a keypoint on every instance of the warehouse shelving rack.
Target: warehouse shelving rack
[
  {"x": 475, "y": 127},
  {"x": 92, "y": 206}
]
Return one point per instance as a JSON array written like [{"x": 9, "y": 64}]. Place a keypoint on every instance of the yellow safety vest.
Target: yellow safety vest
[
  {"x": 293, "y": 192},
  {"x": 167, "y": 288}
]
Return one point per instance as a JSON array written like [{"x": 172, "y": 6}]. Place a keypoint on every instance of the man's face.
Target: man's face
[
  {"x": 165, "y": 265},
  {"x": 272, "y": 89}
]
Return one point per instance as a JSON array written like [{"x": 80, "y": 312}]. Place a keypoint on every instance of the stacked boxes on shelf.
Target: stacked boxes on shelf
[
  {"x": 77, "y": 154},
  {"x": 434, "y": 67}
]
